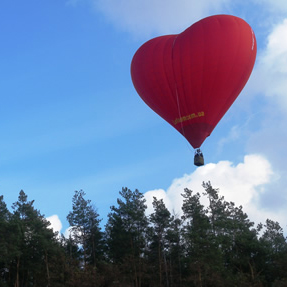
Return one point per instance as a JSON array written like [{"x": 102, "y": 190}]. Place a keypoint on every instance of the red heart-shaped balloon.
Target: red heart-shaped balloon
[{"x": 191, "y": 79}]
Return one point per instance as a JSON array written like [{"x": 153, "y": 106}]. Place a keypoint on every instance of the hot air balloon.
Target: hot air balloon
[{"x": 191, "y": 79}]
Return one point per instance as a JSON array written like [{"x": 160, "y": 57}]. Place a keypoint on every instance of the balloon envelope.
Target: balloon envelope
[{"x": 191, "y": 79}]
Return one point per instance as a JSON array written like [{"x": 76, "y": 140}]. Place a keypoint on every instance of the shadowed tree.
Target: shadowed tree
[
  {"x": 85, "y": 228},
  {"x": 175, "y": 251},
  {"x": 5, "y": 252},
  {"x": 275, "y": 251},
  {"x": 126, "y": 236},
  {"x": 235, "y": 238},
  {"x": 35, "y": 244},
  {"x": 197, "y": 238},
  {"x": 160, "y": 221}
]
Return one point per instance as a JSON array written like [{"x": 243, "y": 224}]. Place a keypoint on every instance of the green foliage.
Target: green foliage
[
  {"x": 126, "y": 236},
  {"x": 85, "y": 228},
  {"x": 4, "y": 219},
  {"x": 160, "y": 222},
  {"x": 165, "y": 251},
  {"x": 209, "y": 245},
  {"x": 31, "y": 246}
]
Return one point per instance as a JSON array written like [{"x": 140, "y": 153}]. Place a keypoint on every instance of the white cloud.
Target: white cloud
[
  {"x": 56, "y": 223},
  {"x": 161, "y": 16},
  {"x": 242, "y": 184},
  {"x": 271, "y": 70},
  {"x": 270, "y": 80}
]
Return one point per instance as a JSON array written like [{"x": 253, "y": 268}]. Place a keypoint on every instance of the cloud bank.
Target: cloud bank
[
  {"x": 269, "y": 82},
  {"x": 242, "y": 184},
  {"x": 271, "y": 69}
]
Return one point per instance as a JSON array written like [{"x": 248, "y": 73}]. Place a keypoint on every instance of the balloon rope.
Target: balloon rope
[{"x": 179, "y": 113}]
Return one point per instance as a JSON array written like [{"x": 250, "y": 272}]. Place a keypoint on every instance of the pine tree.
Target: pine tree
[
  {"x": 160, "y": 222},
  {"x": 35, "y": 245},
  {"x": 4, "y": 241},
  {"x": 126, "y": 236},
  {"x": 85, "y": 228},
  {"x": 175, "y": 251},
  {"x": 274, "y": 247},
  {"x": 197, "y": 239},
  {"x": 235, "y": 237}
]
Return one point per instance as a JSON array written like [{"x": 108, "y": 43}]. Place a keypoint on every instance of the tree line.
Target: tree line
[{"x": 214, "y": 245}]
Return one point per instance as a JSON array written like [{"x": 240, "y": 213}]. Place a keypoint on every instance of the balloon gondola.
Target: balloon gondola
[
  {"x": 191, "y": 79},
  {"x": 198, "y": 157}
]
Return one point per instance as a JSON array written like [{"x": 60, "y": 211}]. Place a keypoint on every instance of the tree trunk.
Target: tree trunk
[
  {"x": 159, "y": 263},
  {"x": 134, "y": 264},
  {"x": 47, "y": 268},
  {"x": 251, "y": 271},
  {"x": 199, "y": 276},
  {"x": 165, "y": 269},
  {"x": 94, "y": 249},
  {"x": 17, "y": 273}
]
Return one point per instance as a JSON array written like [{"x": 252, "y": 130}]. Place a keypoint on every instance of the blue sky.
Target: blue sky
[{"x": 70, "y": 118}]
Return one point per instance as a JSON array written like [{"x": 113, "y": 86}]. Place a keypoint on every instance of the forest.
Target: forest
[{"x": 214, "y": 245}]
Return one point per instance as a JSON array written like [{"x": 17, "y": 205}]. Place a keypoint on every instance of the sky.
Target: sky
[{"x": 71, "y": 119}]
